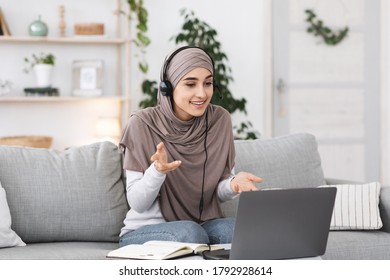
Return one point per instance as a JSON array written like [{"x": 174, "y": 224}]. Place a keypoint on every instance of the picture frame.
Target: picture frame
[{"x": 87, "y": 78}]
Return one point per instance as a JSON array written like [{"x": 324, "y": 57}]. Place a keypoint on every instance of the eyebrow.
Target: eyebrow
[{"x": 195, "y": 79}]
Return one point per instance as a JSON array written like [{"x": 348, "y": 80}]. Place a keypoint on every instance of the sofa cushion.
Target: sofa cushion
[
  {"x": 356, "y": 207},
  {"x": 357, "y": 245},
  {"x": 72, "y": 195},
  {"x": 59, "y": 251},
  {"x": 290, "y": 161},
  {"x": 8, "y": 238}
]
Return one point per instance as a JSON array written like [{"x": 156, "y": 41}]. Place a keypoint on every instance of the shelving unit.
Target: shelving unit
[
  {"x": 116, "y": 96},
  {"x": 119, "y": 43},
  {"x": 43, "y": 99},
  {"x": 62, "y": 40}
]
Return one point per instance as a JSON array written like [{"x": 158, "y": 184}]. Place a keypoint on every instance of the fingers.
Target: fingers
[
  {"x": 244, "y": 182},
  {"x": 252, "y": 188},
  {"x": 160, "y": 153},
  {"x": 256, "y": 179},
  {"x": 244, "y": 188},
  {"x": 154, "y": 157},
  {"x": 167, "y": 167},
  {"x": 160, "y": 147},
  {"x": 160, "y": 160}
]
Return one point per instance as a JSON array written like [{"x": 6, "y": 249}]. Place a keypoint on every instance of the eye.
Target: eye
[
  {"x": 190, "y": 85},
  {"x": 208, "y": 83}
]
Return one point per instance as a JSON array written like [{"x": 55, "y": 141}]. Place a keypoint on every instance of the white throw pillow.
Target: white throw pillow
[
  {"x": 8, "y": 238},
  {"x": 356, "y": 207}
]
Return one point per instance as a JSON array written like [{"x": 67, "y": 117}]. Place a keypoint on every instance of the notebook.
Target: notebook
[{"x": 280, "y": 224}]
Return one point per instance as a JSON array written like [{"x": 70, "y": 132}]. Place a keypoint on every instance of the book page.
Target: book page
[
  {"x": 155, "y": 250},
  {"x": 151, "y": 252},
  {"x": 173, "y": 244},
  {"x": 196, "y": 247}
]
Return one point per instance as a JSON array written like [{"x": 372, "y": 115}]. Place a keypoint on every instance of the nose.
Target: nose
[{"x": 201, "y": 92}]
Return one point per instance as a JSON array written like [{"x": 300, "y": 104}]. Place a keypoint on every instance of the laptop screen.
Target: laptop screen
[{"x": 282, "y": 223}]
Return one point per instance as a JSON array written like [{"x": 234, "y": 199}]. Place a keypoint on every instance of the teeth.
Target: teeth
[{"x": 197, "y": 102}]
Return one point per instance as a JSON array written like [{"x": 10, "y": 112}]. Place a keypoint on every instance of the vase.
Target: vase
[
  {"x": 38, "y": 28},
  {"x": 43, "y": 74}
]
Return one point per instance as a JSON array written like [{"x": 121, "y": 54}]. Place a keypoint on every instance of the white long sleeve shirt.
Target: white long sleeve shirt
[{"x": 142, "y": 195}]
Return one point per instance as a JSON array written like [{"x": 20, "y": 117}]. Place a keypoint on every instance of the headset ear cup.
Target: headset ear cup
[{"x": 166, "y": 88}]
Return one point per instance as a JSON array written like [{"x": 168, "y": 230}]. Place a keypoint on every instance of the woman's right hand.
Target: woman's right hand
[
  {"x": 244, "y": 182},
  {"x": 160, "y": 159}
]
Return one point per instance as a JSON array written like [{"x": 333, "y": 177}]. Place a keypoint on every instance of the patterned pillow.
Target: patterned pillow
[{"x": 356, "y": 207}]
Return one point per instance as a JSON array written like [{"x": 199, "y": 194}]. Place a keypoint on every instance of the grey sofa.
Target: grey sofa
[{"x": 71, "y": 204}]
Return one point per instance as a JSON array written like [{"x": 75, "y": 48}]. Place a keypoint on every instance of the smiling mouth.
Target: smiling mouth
[{"x": 197, "y": 102}]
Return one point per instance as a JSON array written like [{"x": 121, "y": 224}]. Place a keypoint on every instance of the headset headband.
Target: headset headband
[{"x": 166, "y": 87}]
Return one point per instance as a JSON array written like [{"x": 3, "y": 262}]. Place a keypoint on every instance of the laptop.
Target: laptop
[{"x": 280, "y": 224}]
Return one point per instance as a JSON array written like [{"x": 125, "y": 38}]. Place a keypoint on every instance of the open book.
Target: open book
[{"x": 160, "y": 250}]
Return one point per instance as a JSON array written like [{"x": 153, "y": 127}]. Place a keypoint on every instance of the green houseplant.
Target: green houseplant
[
  {"x": 198, "y": 33},
  {"x": 138, "y": 12},
  {"x": 41, "y": 58},
  {"x": 318, "y": 28},
  {"x": 42, "y": 65}
]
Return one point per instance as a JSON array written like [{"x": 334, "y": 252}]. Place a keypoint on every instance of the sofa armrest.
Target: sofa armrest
[{"x": 384, "y": 207}]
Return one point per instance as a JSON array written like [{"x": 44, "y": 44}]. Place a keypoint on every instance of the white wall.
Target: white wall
[
  {"x": 385, "y": 87},
  {"x": 240, "y": 29}
]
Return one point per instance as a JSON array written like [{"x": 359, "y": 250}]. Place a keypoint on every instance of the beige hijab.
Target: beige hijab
[{"x": 181, "y": 193}]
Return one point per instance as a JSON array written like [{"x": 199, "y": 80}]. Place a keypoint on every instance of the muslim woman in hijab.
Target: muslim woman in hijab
[{"x": 179, "y": 159}]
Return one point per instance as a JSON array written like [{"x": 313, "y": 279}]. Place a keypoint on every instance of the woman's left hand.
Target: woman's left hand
[{"x": 244, "y": 182}]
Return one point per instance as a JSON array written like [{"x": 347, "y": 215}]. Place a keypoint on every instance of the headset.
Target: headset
[{"x": 166, "y": 87}]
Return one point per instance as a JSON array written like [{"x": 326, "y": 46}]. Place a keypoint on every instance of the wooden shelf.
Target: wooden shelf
[
  {"x": 62, "y": 40},
  {"x": 27, "y": 99},
  {"x": 114, "y": 48}
]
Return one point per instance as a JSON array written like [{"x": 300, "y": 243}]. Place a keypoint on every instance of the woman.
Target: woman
[{"x": 179, "y": 159}]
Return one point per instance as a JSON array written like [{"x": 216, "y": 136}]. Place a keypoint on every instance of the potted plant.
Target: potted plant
[{"x": 42, "y": 65}]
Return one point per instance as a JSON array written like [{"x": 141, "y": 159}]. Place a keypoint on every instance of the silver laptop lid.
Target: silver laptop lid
[{"x": 283, "y": 223}]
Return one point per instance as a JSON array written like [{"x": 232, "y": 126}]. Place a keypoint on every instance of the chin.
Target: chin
[{"x": 199, "y": 113}]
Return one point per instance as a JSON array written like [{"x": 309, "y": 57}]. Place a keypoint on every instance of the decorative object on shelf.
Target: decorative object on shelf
[
  {"x": 43, "y": 75},
  {"x": 27, "y": 141},
  {"x": 38, "y": 28},
  {"x": 87, "y": 78},
  {"x": 5, "y": 87},
  {"x": 4, "y": 30},
  {"x": 62, "y": 25},
  {"x": 89, "y": 28},
  {"x": 318, "y": 28},
  {"x": 39, "y": 91},
  {"x": 42, "y": 65}
]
